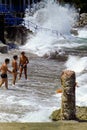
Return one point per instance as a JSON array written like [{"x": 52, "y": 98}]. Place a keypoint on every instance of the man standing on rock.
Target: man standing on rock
[
  {"x": 15, "y": 68},
  {"x": 23, "y": 61},
  {"x": 4, "y": 69}
]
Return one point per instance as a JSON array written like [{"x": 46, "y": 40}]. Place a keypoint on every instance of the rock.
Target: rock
[
  {"x": 83, "y": 15},
  {"x": 68, "y": 82},
  {"x": 16, "y": 34},
  {"x": 12, "y": 46},
  {"x": 82, "y": 20},
  {"x": 58, "y": 55},
  {"x": 56, "y": 115},
  {"x": 74, "y": 32},
  {"x": 3, "y": 48},
  {"x": 81, "y": 114}
]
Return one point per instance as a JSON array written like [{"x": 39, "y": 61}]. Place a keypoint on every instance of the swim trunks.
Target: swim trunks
[
  {"x": 14, "y": 71},
  {"x": 23, "y": 66},
  {"x": 3, "y": 75}
]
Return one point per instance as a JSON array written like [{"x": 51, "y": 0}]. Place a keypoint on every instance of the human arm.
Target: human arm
[
  {"x": 27, "y": 60},
  {"x": 9, "y": 71}
]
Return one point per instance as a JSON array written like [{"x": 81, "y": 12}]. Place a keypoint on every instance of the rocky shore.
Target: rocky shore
[
  {"x": 15, "y": 36},
  {"x": 82, "y": 21},
  {"x": 62, "y": 125}
]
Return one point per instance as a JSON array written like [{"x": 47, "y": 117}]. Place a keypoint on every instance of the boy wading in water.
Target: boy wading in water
[
  {"x": 4, "y": 69},
  {"x": 23, "y": 64},
  {"x": 15, "y": 68}
]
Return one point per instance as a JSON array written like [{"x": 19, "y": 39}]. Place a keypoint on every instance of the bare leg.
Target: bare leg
[
  {"x": 14, "y": 78},
  {"x": 6, "y": 83},
  {"x": 2, "y": 82},
  {"x": 21, "y": 69},
  {"x": 25, "y": 72}
]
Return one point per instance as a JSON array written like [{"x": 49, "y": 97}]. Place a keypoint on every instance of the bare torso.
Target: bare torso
[
  {"x": 23, "y": 60},
  {"x": 4, "y": 69},
  {"x": 14, "y": 65}
]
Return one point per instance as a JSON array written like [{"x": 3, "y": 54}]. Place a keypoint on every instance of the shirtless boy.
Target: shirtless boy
[
  {"x": 4, "y": 69},
  {"x": 23, "y": 64},
  {"x": 15, "y": 68}
]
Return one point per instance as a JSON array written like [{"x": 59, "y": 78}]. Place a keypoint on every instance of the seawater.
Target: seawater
[
  {"x": 61, "y": 18},
  {"x": 34, "y": 99}
]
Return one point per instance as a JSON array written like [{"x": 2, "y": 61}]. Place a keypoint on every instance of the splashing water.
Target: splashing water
[
  {"x": 76, "y": 63},
  {"x": 79, "y": 65},
  {"x": 56, "y": 18},
  {"x": 52, "y": 23}
]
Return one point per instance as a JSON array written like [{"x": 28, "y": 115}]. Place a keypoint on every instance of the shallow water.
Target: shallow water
[{"x": 35, "y": 98}]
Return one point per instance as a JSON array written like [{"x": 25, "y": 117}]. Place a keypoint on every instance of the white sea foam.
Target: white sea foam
[
  {"x": 23, "y": 104},
  {"x": 79, "y": 65},
  {"x": 82, "y": 33},
  {"x": 54, "y": 23},
  {"x": 76, "y": 63},
  {"x": 37, "y": 116}
]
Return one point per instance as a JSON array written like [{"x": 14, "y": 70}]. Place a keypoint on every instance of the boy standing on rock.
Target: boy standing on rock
[
  {"x": 4, "y": 69},
  {"x": 15, "y": 68},
  {"x": 23, "y": 64}
]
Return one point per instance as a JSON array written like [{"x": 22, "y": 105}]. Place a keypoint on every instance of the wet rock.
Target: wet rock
[
  {"x": 60, "y": 56},
  {"x": 12, "y": 46},
  {"x": 82, "y": 21},
  {"x": 56, "y": 115},
  {"x": 81, "y": 114},
  {"x": 74, "y": 32},
  {"x": 3, "y": 48},
  {"x": 17, "y": 35}
]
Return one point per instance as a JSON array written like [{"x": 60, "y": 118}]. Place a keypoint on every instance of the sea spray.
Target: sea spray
[
  {"x": 76, "y": 63},
  {"x": 79, "y": 65},
  {"x": 50, "y": 25}
]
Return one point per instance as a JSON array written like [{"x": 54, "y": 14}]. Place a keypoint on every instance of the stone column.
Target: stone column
[{"x": 68, "y": 83}]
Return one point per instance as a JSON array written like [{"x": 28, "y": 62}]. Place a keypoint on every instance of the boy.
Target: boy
[
  {"x": 23, "y": 64},
  {"x": 15, "y": 68},
  {"x": 4, "y": 69}
]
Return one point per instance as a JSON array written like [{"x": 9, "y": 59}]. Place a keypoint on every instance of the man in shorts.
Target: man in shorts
[
  {"x": 23, "y": 64},
  {"x": 15, "y": 68},
  {"x": 4, "y": 69}
]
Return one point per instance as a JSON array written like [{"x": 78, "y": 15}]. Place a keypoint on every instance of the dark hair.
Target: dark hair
[
  {"x": 7, "y": 60},
  {"x": 15, "y": 57},
  {"x": 22, "y": 52}
]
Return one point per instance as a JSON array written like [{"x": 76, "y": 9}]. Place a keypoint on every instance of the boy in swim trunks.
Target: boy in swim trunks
[
  {"x": 4, "y": 69},
  {"x": 15, "y": 68},
  {"x": 23, "y": 64}
]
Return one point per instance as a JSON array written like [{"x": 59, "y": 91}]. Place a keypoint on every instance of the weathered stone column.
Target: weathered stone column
[{"x": 68, "y": 108}]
